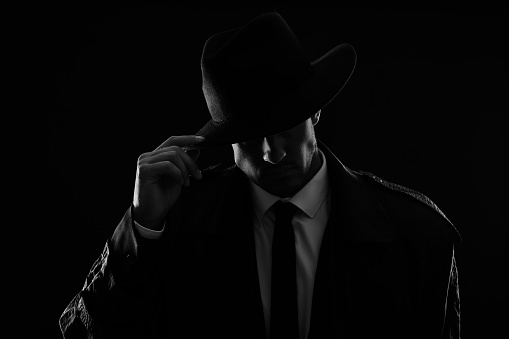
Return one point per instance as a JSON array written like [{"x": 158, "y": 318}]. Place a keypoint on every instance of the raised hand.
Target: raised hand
[{"x": 160, "y": 176}]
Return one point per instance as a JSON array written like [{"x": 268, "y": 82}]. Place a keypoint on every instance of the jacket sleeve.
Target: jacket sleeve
[
  {"x": 430, "y": 239},
  {"x": 115, "y": 299},
  {"x": 451, "y": 328},
  {"x": 435, "y": 298}
]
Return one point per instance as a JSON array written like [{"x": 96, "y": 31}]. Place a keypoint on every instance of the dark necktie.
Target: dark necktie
[{"x": 283, "y": 312}]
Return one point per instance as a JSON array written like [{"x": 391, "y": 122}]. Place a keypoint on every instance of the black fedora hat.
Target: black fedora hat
[{"x": 257, "y": 80}]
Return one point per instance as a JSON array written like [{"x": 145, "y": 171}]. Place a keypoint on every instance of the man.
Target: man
[{"x": 288, "y": 242}]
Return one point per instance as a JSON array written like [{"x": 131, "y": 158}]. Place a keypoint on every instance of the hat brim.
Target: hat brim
[{"x": 329, "y": 75}]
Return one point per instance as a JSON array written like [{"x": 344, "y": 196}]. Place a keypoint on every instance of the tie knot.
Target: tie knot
[{"x": 284, "y": 211}]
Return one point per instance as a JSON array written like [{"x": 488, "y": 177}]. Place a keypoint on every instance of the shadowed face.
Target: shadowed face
[{"x": 282, "y": 163}]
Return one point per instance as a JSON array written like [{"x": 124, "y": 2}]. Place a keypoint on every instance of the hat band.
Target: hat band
[{"x": 254, "y": 97}]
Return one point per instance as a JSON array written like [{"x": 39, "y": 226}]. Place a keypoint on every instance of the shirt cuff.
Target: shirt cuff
[{"x": 147, "y": 233}]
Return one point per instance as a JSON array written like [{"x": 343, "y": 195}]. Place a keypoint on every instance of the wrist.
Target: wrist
[
  {"x": 155, "y": 225},
  {"x": 148, "y": 233},
  {"x": 151, "y": 226}
]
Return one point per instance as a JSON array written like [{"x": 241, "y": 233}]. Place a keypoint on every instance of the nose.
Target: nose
[{"x": 273, "y": 149}]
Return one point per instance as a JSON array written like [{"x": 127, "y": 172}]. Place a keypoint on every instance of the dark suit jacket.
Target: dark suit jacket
[{"x": 386, "y": 268}]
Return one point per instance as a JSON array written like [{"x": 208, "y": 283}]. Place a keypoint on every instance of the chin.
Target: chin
[{"x": 282, "y": 187}]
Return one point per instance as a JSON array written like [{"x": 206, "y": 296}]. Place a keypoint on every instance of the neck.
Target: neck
[{"x": 314, "y": 167}]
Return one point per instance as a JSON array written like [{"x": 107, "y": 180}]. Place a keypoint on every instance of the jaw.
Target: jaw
[{"x": 282, "y": 187}]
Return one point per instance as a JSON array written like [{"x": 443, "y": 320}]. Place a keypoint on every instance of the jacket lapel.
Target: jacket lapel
[
  {"x": 233, "y": 308},
  {"x": 359, "y": 287},
  {"x": 248, "y": 310}
]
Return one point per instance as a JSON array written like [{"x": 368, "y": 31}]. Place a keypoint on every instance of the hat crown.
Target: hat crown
[{"x": 249, "y": 68}]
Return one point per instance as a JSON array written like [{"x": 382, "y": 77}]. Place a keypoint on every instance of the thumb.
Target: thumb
[{"x": 192, "y": 152}]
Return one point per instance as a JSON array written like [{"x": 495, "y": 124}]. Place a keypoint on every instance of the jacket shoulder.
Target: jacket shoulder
[
  {"x": 384, "y": 189},
  {"x": 400, "y": 188}
]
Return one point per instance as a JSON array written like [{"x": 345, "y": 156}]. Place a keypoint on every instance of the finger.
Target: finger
[
  {"x": 175, "y": 157},
  {"x": 189, "y": 157},
  {"x": 169, "y": 153},
  {"x": 189, "y": 162},
  {"x": 166, "y": 149},
  {"x": 181, "y": 140},
  {"x": 165, "y": 168},
  {"x": 192, "y": 152}
]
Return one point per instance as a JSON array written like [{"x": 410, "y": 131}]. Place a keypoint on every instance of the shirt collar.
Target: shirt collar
[{"x": 308, "y": 199}]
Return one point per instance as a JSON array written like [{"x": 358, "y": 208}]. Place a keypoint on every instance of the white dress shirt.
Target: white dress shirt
[
  {"x": 313, "y": 202},
  {"x": 309, "y": 222}
]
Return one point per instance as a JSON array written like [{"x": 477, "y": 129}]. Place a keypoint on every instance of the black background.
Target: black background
[{"x": 425, "y": 108}]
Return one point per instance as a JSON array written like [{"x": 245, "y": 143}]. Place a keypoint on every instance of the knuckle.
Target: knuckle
[{"x": 170, "y": 154}]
